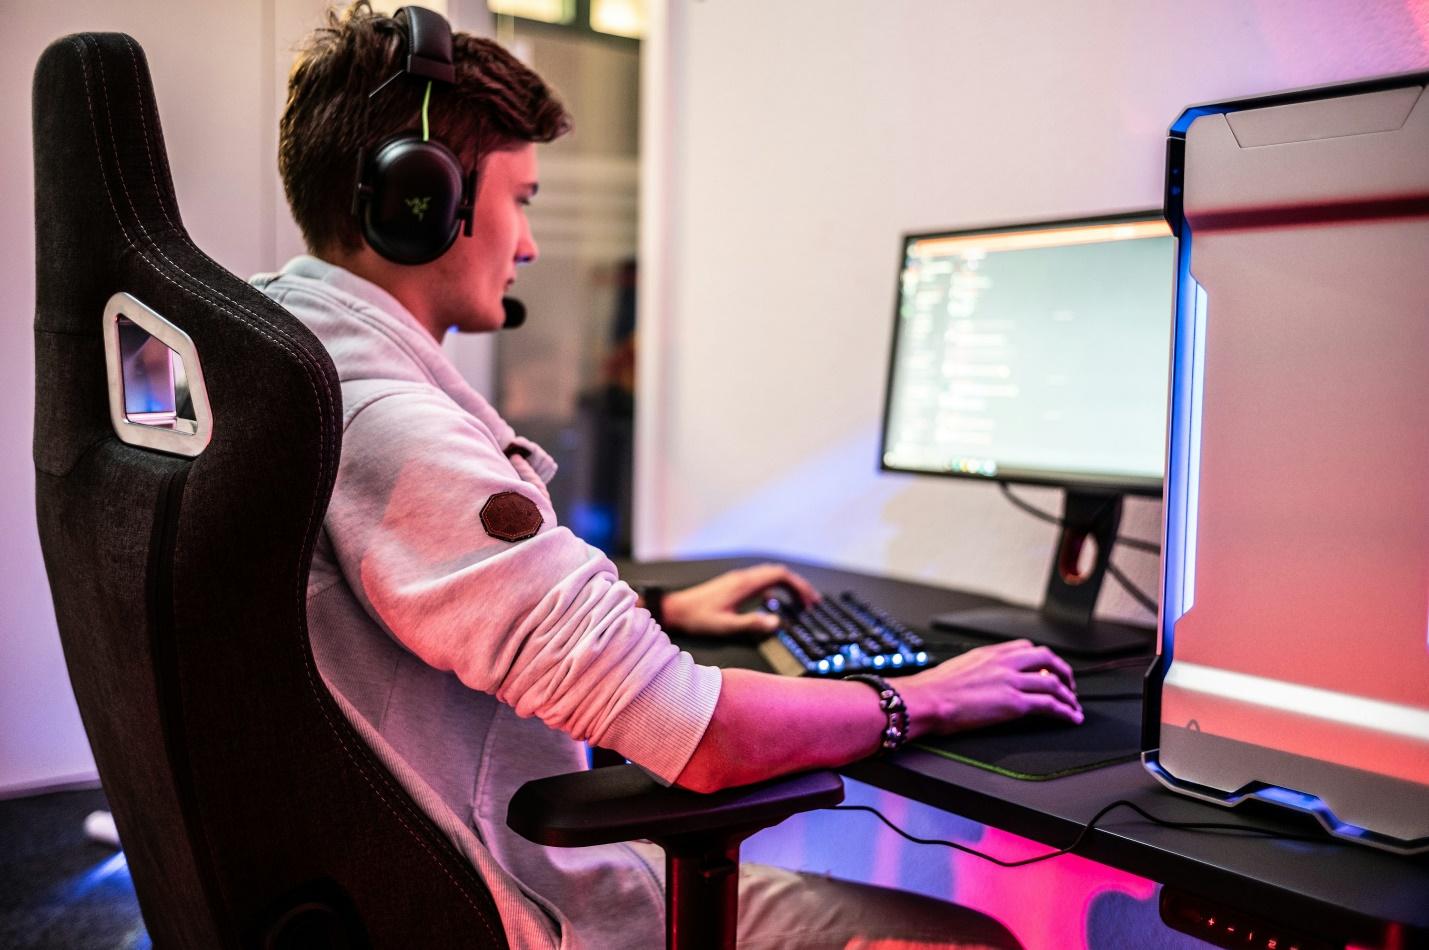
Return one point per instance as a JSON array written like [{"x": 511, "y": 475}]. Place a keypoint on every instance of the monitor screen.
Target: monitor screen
[{"x": 1036, "y": 353}]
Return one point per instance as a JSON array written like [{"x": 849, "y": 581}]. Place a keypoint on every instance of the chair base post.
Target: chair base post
[
  {"x": 701, "y": 893},
  {"x": 700, "y": 834}
]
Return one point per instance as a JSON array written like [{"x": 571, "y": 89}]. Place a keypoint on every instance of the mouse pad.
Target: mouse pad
[{"x": 1036, "y": 749}]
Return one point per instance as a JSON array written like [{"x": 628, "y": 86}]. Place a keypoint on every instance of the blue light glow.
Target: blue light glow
[
  {"x": 1183, "y": 124},
  {"x": 1193, "y": 474},
  {"x": 115, "y": 866},
  {"x": 593, "y": 523},
  {"x": 1183, "y": 462},
  {"x": 1301, "y": 801},
  {"x": 841, "y": 484},
  {"x": 1284, "y": 796}
]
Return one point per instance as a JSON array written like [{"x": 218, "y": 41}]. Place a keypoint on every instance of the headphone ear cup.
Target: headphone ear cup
[{"x": 410, "y": 199}]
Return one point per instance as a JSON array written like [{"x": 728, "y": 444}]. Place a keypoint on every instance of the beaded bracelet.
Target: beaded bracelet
[{"x": 895, "y": 733}]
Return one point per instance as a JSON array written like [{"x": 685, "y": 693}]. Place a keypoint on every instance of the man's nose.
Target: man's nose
[{"x": 526, "y": 250}]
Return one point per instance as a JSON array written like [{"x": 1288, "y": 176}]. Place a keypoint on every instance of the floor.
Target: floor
[{"x": 58, "y": 889}]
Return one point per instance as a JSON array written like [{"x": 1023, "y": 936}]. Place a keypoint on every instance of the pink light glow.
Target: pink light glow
[
  {"x": 1418, "y": 11},
  {"x": 1318, "y": 43},
  {"x": 1046, "y": 905}
]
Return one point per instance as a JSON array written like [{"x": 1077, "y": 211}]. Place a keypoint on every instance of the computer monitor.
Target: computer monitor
[{"x": 1039, "y": 354}]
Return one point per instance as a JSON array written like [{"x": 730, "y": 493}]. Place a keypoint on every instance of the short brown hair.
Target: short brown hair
[{"x": 495, "y": 104}]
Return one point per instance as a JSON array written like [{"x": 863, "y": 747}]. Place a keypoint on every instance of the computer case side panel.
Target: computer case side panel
[{"x": 1294, "y": 641}]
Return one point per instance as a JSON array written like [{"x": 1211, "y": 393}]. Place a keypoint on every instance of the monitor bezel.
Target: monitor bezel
[{"x": 1130, "y": 485}]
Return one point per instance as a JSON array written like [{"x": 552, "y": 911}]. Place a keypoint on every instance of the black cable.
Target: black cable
[
  {"x": 1136, "y": 544},
  {"x": 1137, "y": 594},
  {"x": 1121, "y": 664},
  {"x": 1032, "y": 510},
  {"x": 1108, "y": 666},
  {"x": 1086, "y": 829}
]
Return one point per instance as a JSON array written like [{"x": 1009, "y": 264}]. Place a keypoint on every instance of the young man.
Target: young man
[{"x": 481, "y": 640}]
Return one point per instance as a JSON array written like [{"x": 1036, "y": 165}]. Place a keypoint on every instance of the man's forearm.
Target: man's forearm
[{"x": 767, "y": 725}]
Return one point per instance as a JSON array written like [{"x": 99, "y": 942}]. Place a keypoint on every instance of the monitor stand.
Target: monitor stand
[{"x": 1065, "y": 621}]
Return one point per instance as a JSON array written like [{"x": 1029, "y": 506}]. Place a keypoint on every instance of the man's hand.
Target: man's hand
[
  {"x": 709, "y": 609},
  {"x": 989, "y": 685}
]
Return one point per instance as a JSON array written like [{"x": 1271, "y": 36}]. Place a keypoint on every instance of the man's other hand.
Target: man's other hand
[
  {"x": 989, "y": 685},
  {"x": 711, "y": 609}
]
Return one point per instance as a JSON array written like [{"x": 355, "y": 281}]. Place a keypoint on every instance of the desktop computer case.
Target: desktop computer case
[{"x": 1294, "y": 631}]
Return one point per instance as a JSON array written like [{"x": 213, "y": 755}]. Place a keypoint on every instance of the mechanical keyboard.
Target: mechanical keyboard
[{"x": 841, "y": 634}]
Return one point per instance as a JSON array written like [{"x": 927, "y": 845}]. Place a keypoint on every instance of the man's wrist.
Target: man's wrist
[
  {"x": 652, "y": 598},
  {"x": 923, "y": 707}
]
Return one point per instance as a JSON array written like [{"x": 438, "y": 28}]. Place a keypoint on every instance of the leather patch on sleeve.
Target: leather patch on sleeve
[{"x": 510, "y": 516}]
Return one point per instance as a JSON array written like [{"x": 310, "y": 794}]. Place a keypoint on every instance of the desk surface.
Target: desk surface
[{"x": 1332, "y": 887}]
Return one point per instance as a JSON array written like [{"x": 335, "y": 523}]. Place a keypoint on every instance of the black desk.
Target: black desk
[{"x": 1345, "y": 892}]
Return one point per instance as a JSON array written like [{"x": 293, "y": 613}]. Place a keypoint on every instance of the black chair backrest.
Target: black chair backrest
[{"x": 251, "y": 812}]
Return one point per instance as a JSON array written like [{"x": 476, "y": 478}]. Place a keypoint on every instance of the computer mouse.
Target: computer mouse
[{"x": 781, "y": 599}]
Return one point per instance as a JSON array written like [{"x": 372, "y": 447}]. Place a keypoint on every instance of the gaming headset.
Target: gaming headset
[{"x": 412, "y": 192}]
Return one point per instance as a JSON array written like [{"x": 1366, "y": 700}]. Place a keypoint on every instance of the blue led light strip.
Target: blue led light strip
[{"x": 1193, "y": 450}]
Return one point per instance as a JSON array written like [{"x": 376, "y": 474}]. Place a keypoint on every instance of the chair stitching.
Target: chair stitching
[
  {"x": 79, "y": 458},
  {"x": 319, "y": 392},
  {"x": 85, "y": 449},
  {"x": 304, "y": 360}
]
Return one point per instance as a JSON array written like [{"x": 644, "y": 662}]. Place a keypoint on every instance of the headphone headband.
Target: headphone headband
[{"x": 429, "y": 44}]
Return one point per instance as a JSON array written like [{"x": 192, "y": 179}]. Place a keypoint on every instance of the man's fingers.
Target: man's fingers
[
  {"x": 762, "y": 576},
  {"x": 1045, "y": 704},
  {"x": 755, "y": 622},
  {"x": 1044, "y": 682},
  {"x": 754, "y": 579},
  {"x": 1035, "y": 658},
  {"x": 807, "y": 592}
]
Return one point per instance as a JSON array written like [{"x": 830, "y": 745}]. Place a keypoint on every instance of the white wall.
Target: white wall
[
  {"x": 789, "y": 144},
  {"x": 219, "y": 72}
]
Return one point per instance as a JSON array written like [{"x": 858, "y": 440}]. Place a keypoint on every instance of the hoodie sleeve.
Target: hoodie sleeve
[{"x": 543, "y": 623}]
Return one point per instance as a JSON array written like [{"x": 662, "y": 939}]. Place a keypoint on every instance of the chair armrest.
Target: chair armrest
[{"x": 623, "y": 803}]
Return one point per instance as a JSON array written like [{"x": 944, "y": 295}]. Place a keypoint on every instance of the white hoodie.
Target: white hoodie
[{"x": 442, "y": 641}]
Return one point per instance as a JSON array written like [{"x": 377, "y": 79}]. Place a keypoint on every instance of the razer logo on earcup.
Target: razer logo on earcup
[{"x": 418, "y": 206}]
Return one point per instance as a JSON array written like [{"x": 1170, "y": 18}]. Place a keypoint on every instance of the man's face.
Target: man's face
[{"x": 474, "y": 275}]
